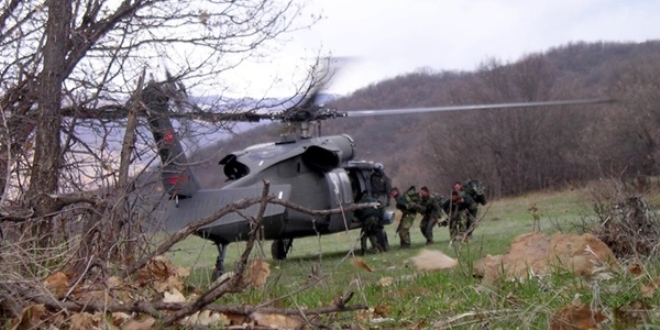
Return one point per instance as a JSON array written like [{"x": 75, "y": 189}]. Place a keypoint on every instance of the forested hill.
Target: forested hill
[{"x": 511, "y": 150}]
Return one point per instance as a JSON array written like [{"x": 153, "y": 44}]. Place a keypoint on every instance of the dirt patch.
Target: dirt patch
[
  {"x": 433, "y": 260},
  {"x": 538, "y": 254}
]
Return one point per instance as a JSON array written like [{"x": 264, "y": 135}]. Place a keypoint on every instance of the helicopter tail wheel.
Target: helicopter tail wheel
[{"x": 280, "y": 248}]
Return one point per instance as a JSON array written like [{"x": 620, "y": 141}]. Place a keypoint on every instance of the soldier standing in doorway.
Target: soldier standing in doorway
[
  {"x": 370, "y": 218},
  {"x": 381, "y": 185}
]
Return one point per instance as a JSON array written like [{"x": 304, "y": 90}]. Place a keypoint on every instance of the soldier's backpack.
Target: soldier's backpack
[
  {"x": 410, "y": 196},
  {"x": 476, "y": 190}
]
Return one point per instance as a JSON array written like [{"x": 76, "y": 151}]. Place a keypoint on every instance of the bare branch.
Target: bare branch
[
  {"x": 189, "y": 230},
  {"x": 156, "y": 309},
  {"x": 323, "y": 212},
  {"x": 235, "y": 282},
  {"x": 15, "y": 215}
]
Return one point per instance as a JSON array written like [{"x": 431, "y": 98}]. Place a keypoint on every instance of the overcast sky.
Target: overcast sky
[{"x": 386, "y": 38}]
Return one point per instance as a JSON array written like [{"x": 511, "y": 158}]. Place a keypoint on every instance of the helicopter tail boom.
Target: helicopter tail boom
[
  {"x": 234, "y": 226},
  {"x": 178, "y": 178}
]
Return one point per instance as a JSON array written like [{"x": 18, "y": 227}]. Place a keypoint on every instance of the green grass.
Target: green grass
[{"x": 418, "y": 300}]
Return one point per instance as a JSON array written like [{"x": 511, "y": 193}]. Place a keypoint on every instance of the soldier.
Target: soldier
[
  {"x": 459, "y": 209},
  {"x": 381, "y": 185},
  {"x": 464, "y": 221},
  {"x": 475, "y": 190},
  {"x": 408, "y": 204},
  {"x": 430, "y": 211},
  {"x": 370, "y": 219},
  {"x": 458, "y": 187}
]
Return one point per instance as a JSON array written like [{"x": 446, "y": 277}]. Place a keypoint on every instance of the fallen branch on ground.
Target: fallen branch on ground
[
  {"x": 141, "y": 300},
  {"x": 450, "y": 322},
  {"x": 155, "y": 308}
]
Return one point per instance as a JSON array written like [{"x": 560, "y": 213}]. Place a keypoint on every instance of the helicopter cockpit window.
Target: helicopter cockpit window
[{"x": 234, "y": 169}]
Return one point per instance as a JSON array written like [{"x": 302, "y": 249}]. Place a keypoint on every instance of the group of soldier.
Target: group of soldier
[{"x": 461, "y": 209}]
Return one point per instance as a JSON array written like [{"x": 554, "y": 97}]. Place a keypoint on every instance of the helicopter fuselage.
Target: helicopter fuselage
[{"x": 316, "y": 173}]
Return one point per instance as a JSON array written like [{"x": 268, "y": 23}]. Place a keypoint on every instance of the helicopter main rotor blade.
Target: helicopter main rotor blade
[{"x": 367, "y": 113}]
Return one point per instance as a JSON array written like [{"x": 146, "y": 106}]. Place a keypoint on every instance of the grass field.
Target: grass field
[{"x": 418, "y": 300}]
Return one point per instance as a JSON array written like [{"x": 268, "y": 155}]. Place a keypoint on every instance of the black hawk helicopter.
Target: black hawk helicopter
[{"x": 316, "y": 172}]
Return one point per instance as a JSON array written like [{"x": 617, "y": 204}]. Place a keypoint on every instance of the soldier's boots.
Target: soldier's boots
[
  {"x": 429, "y": 237},
  {"x": 376, "y": 249},
  {"x": 405, "y": 245},
  {"x": 363, "y": 245}
]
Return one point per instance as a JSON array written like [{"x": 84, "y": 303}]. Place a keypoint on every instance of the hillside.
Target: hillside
[{"x": 513, "y": 151}]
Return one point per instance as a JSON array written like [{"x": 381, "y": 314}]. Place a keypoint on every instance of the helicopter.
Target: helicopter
[{"x": 315, "y": 172}]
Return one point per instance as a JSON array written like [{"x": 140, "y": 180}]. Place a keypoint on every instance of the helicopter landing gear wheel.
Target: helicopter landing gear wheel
[{"x": 280, "y": 248}]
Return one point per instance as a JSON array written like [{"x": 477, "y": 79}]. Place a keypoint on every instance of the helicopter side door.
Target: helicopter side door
[{"x": 341, "y": 195}]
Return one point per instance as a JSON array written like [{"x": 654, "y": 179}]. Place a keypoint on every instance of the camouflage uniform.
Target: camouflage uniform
[
  {"x": 408, "y": 204},
  {"x": 370, "y": 218},
  {"x": 477, "y": 191},
  {"x": 380, "y": 189},
  {"x": 470, "y": 213},
  {"x": 461, "y": 215},
  {"x": 381, "y": 185},
  {"x": 431, "y": 213}
]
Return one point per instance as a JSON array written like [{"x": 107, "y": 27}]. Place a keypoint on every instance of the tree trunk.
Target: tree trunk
[{"x": 45, "y": 171}]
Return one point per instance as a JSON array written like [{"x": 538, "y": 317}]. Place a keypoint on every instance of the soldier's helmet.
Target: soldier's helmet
[{"x": 378, "y": 167}]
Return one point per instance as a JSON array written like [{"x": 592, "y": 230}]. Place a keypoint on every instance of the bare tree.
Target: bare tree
[
  {"x": 75, "y": 146},
  {"x": 512, "y": 150},
  {"x": 73, "y": 59},
  {"x": 73, "y": 139},
  {"x": 635, "y": 123}
]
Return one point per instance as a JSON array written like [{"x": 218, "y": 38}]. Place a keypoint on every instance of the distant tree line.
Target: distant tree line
[{"x": 518, "y": 150}]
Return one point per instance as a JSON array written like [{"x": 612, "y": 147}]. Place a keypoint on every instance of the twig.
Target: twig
[
  {"x": 302, "y": 209},
  {"x": 155, "y": 308},
  {"x": 89, "y": 306},
  {"x": 448, "y": 322},
  {"x": 235, "y": 282},
  {"x": 190, "y": 229},
  {"x": 80, "y": 278},
  {"x": 20, "y": 215}
]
